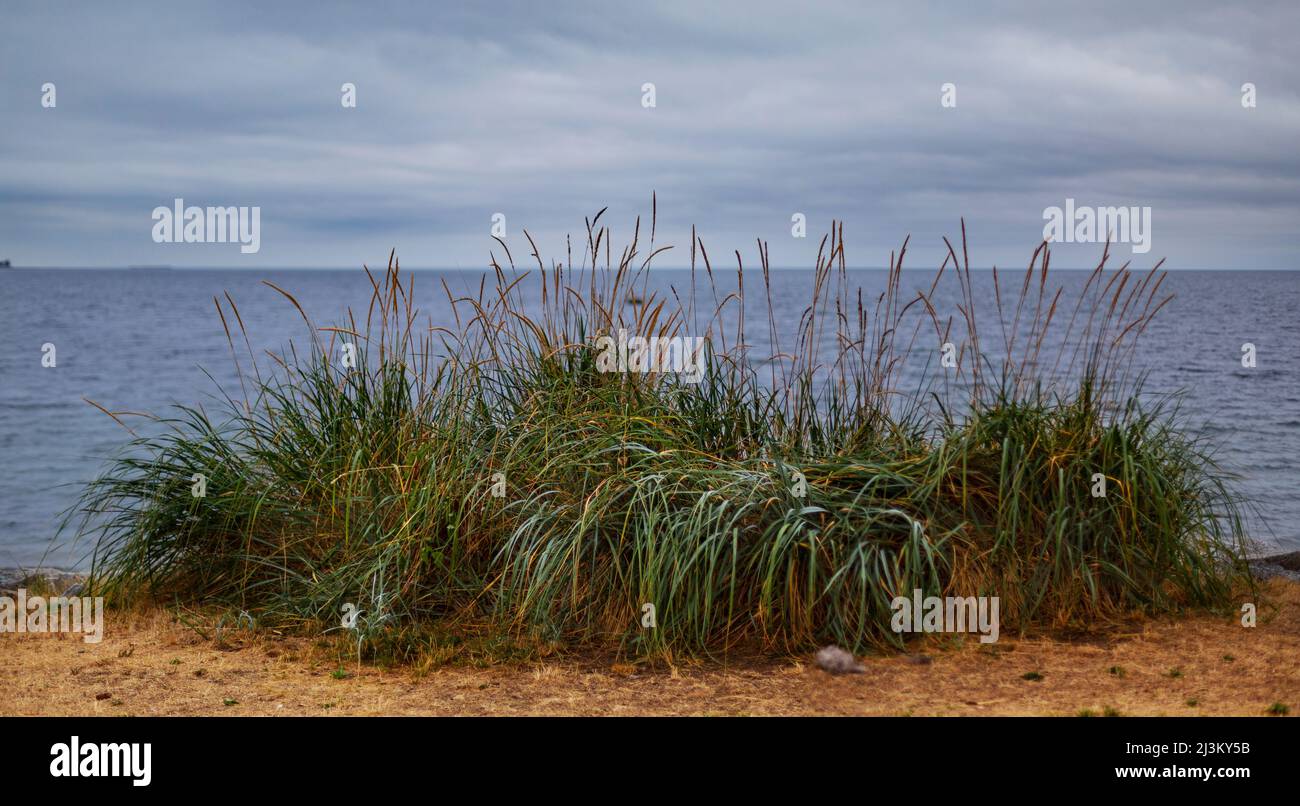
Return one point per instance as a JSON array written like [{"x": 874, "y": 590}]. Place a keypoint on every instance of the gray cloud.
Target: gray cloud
[{"x": 533, "y": 110}]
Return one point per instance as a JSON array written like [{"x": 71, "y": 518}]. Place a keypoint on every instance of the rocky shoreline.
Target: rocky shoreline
[
  {"x": 1286, "y": 566},
  {"x": 67, "y": 583}
]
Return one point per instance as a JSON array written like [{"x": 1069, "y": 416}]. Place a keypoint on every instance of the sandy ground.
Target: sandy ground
[{"x": 148, "y": 663}]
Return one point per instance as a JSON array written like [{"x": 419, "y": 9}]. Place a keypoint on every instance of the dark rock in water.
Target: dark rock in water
[
  {"x": 1286, "y": 566},
  {"x": 837, "y": 661},
  {"x": 1290, "y": 562}
]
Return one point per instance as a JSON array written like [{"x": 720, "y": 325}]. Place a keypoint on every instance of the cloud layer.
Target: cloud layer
[{"x": 535, "y": 111}]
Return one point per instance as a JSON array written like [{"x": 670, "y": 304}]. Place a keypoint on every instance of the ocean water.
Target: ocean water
[{"x": 140, "y": 340}]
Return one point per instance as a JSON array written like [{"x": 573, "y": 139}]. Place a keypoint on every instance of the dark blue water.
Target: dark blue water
[{"x": 138, "y": 340}]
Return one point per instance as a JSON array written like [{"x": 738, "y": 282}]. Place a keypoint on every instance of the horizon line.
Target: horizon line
[{"x": 161, "y": 268}]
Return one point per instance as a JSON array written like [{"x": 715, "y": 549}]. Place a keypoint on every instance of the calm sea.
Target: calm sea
[{"x": 142, "y": 339}]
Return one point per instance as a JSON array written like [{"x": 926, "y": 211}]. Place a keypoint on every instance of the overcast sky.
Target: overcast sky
[{"x": 534, "y": 110}]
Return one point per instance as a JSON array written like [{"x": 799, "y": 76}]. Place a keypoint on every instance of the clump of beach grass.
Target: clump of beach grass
[{"x": 489, "y": 475}]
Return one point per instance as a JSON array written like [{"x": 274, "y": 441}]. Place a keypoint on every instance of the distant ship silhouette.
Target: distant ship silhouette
[{"x": 4, "y": 264}]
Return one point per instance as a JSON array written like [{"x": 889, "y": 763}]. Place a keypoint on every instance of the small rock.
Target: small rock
[
  {"x": 837, "y": 661},
  {"x": 920, "y": 660},
  {"x": 103, "y": 695}
]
